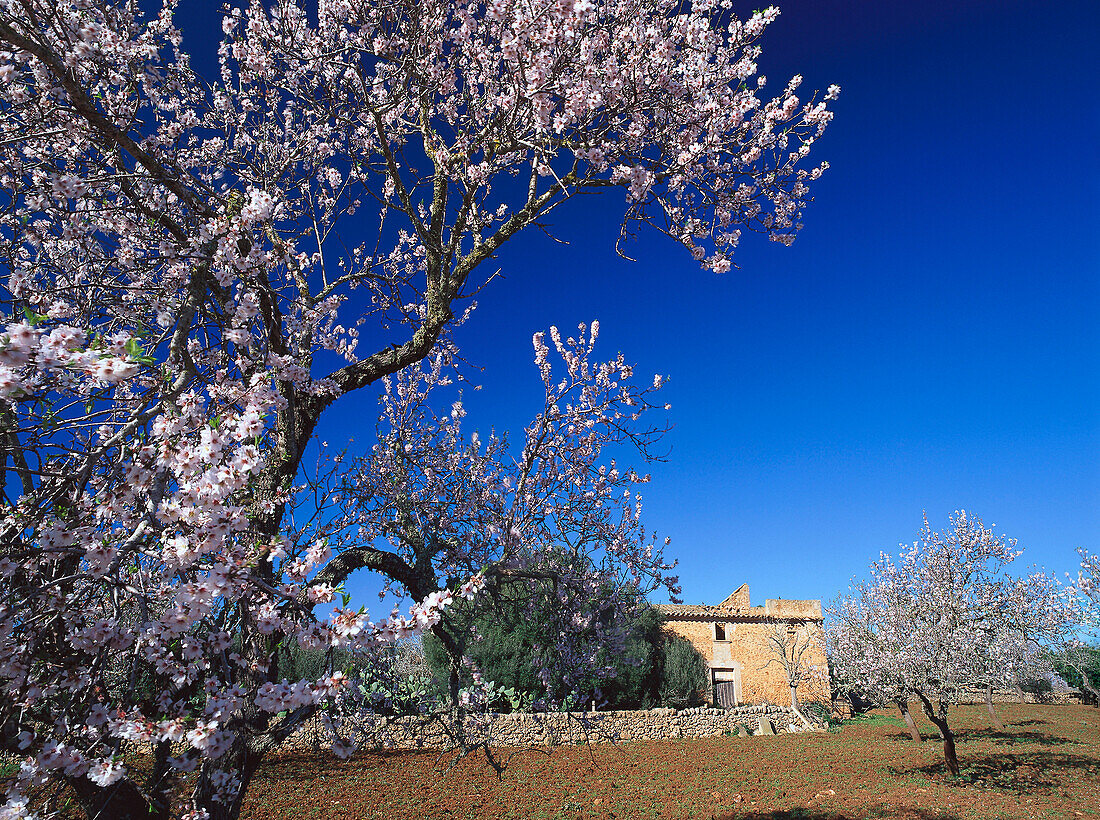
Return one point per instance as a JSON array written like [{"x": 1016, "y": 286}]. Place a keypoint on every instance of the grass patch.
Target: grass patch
[{"x": 876, "y": 718}]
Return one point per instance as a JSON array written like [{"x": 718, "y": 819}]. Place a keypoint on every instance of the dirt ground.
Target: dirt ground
[{"x": 1045, "y": 764}]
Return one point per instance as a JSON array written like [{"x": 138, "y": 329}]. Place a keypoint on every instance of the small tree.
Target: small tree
[
  {"x": 934, "y": 624},
  {"x": 789, "y": 646},
  {"x": 867, "y": 634},
  {"x": 1079, "y": 664},
  {"x": 1078, "y": 658},
  {"x": 1041, "y": 617}
]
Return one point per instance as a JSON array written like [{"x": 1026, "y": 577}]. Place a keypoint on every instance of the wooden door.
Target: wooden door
[{"x": 725, "y": 694}]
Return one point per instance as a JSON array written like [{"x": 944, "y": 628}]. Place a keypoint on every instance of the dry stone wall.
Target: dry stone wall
[
  {"x": 554, "y": 728},
  {"x": 1012, "y": 696},
  {"x": 841, "y": 708}
]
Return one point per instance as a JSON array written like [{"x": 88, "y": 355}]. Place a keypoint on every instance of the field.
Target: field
[{"x": 1045, "y": 764}]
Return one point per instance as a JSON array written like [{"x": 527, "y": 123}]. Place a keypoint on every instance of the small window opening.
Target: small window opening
[{"x": 719, "y": 632}]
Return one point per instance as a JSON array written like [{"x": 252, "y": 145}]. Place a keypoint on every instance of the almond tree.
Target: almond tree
[
  {"x": 1040, "y": 619},
  {"x": 195, "y": 269},
  {"x": 936, "y": 622},
  {"x": 1075, "y": 652},
  {"x": 1087, "y": 590},
  {"x": 429, "y": 506},
  {"x": 867, "y": 634},
  {"x": 1081, "y": 657},
  {"x": 788, "y": 647}
]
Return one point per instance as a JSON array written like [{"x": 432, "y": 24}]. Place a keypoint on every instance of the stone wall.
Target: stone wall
[
  {"x": 842, "y": 708},
  {"x": 553, "y": 728},
  {"x": 1013, "y": 696}
]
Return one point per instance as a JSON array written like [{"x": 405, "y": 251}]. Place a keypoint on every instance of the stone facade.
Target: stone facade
[
  {"x": 733, "y": 638},
  {"x": 552, "y": 728}
]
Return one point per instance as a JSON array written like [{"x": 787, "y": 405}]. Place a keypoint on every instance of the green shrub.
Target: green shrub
[{"x": 683, "y": 674}]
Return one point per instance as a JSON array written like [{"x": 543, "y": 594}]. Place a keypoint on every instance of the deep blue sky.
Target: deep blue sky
[{"x": 930, "y": 342}]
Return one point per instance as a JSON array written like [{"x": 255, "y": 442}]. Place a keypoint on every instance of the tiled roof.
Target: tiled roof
[
  {"x": 796, "y": 610},
  {"x": 704, "y": 610}
]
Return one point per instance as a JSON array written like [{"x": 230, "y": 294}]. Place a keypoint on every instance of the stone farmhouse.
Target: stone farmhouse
[{"x": 733, "y": 637}]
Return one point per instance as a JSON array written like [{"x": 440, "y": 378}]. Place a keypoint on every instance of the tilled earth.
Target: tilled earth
[{"x": 1045, "y": 764}]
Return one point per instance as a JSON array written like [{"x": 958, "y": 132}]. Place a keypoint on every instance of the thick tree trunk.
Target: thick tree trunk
[
  {"x": 119, "y": 801},
  {"x": 243, "y": 759},
  {"x": 453, "y": 684},
  {"x": 914, "y": 732},
  {"x": 1093, "y": 696},
  {"x": 940, "y": 722},
  {"x": 794, "y": 697},
  {"x": 989, "y": 707},
  {"x": 949, "y": 755}
]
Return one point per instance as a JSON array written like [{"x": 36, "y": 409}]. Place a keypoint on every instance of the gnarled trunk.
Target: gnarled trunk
[
  {"x": 244, "y": 759},
  {"x": 940, "y": 722},
  {"x": 1093, "y": 696},
  {"x": 989, "y": 707},
  {"x": 914, "y": 732}
]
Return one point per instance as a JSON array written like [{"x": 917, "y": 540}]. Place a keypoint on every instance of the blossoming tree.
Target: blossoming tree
[
  {"x": 195, "y": 269},
  {"x": 429, "y": 506},
  {"x": 944, "y": 619},
  {"x": 788, "y": 646},
  {"x": 1077, "y": 653},
  {"x": 869, "y": 630},
  {"x": 1087, "y": 590}
]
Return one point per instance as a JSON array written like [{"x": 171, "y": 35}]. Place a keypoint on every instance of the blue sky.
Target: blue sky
[{"x": 929, "y": 343}]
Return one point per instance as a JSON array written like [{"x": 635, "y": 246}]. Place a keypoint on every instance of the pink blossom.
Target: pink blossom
[{"x": 106, "y": 772}]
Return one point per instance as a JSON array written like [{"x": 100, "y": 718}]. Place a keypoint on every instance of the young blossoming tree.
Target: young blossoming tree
[
  {"x": 788, "y": 647},
  {"x": 1042, "y": 620},
  {"x": 1087, "y": 591},
  {"x": 549, "y": 527},
  {"x": 940, "y": 620},
  {"x": 1078, "y": 658},
  {"x": 195, "y": 269},
  {"x": 867, "y": 634}
]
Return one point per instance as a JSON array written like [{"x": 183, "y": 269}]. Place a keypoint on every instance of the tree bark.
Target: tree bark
[
  {"x": 794, "y": 697},
  {"x": 914, "y": 732},
  {"x": 119, "y": 801},
  {"x": 940, "y": 722},
  {"x": 989, "y": 707},
  {"x": 246, "y": 759},
  {"x": 1093, "y": 695}
]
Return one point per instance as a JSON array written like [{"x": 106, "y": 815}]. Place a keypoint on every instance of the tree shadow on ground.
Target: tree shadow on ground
[
  {"x": 1025, "y": 773},
  {"x": 905, "y": 737},
  {"x": 1036, "y": 722},
  {"x": 878, "y": 810},
  {"x": 1009, "y": 737}
]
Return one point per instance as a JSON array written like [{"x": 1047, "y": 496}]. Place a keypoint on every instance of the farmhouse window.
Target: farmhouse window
[{"x": 719, "y": 632}]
